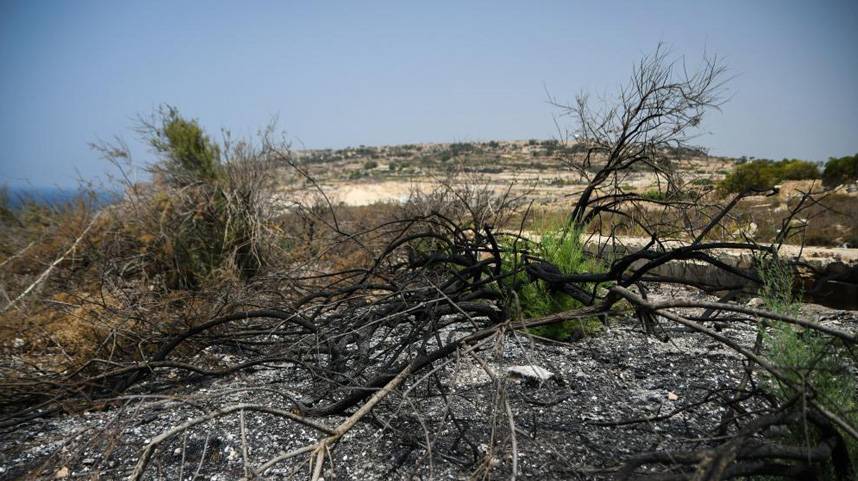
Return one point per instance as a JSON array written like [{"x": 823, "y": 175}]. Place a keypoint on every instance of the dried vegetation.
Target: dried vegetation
[{"x": 195, "y": 277}]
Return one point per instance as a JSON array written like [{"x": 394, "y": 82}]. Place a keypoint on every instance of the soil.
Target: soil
[{"x": 566, "y": 427}]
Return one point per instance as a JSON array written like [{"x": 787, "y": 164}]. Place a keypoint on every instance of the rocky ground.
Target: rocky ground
[
  {"x": 575, "y": 425},
  {"x": 536, "y": 169}
]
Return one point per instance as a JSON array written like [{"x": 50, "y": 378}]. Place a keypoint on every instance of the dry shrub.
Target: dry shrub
[
  {"x": 206, "y": 211},
  {"x": 825, "y": 219},
  {"x": 467, "y": 199},
  {"x": 167, "y": 254}
]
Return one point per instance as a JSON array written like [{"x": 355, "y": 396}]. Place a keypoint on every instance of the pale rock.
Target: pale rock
[
  {"x": 231, "y": 453},
  {"x": 530, "y": 372},
  {"x": 755, "y": 302}
]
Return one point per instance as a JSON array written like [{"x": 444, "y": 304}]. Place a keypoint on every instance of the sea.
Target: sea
[{"x": 54, "y": 196}]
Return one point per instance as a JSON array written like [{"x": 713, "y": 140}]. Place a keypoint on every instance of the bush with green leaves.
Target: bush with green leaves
[
  {"x": 765, "y": 174},
  {"x": 795, "y": 169},
  {"x": 187, "y": 154},
  {"x": 841, "y": 170},
  {"x": 564, "y": 250}
]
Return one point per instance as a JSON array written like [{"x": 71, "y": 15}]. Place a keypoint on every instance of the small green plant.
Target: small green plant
[
  {"x": 564, "y": 250},
  {"x": 655, "y": 195},
  {"x": 778, "y": 283},
  {"x": 806, "y": 357}
]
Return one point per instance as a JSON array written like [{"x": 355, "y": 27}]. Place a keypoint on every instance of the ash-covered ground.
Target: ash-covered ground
[{"x": 610, "y": 397}]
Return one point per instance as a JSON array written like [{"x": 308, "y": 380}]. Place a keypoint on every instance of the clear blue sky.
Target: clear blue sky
[{"x": 349, "y": 73}]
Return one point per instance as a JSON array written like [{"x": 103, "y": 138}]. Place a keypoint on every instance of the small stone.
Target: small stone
[
  {"x": 755, "y": 302},
  {"x": 530, "y": 372},
  {"x": 671, "y": 396},
  {"x": 18, "y": 342},
  {"x": 62, "y": 473},
  {"x": 231, "y": 454}
]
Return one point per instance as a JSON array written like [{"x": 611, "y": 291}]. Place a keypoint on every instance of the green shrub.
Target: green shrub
[
  {"x": 796, "y": 170},
  {"x": 765, "y": 174},
  {"x": 778, "y": 283},
  {"x": 188, "y": 155},
  {"x": 757, "y": 175},
  {"x": 655, "y": 195},
  {"x": 841, "y": 170},
  {"x": 536, "y": 299},
  {"x": 806, "y": 357},
  {"x": 203, "y": 214},
  {"x": 459, "y": 148},
  {"x": 663, "y": 195}
]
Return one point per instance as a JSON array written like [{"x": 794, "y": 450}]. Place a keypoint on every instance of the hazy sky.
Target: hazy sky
[{"x": 362, "y": 72}]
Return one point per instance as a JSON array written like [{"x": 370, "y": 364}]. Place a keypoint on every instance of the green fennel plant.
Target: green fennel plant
[
  {"x": 534, "y": 298},
  {"x": 806, "y": 357}
]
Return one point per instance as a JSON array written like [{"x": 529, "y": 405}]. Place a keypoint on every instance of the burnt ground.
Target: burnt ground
[{"x": 576, "y": 425}]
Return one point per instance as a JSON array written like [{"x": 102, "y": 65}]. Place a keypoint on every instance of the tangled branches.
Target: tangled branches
[{"x": 408, "y": 325}]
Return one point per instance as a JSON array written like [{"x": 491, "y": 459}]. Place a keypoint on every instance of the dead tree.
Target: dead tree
[{"x": 654, "y": 117}]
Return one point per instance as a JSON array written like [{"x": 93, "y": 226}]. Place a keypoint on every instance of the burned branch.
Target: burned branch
[{"x": 371, "y": 323}]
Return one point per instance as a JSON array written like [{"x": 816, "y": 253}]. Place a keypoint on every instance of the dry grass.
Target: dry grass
[{"x": 830, "y": 221}]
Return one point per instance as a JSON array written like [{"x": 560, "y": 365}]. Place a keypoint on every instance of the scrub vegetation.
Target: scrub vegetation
[{"x": 214, "y": 292}]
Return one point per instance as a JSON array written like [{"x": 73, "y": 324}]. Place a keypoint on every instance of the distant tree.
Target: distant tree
[
  {"x": 459, "y": 148},
  {"x": 756, "y": 175},
  {"x": 841, "y": 170},
  {"x": 765, "y": 174},
  {"x": 795, "y": 169}
]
